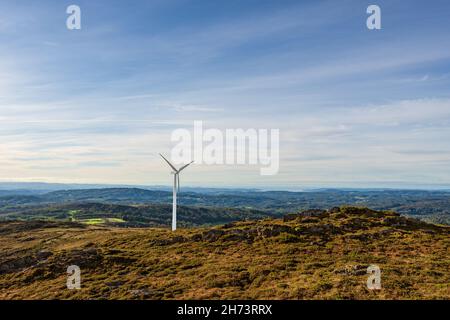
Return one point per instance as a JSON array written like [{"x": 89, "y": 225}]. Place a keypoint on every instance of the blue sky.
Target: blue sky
[{"x": 354, "y": 107}]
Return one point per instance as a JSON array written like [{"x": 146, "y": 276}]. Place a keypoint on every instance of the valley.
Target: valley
[{"x": 143, "y": 207}]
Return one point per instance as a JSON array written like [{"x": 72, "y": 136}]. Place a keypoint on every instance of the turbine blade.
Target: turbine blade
[
  {"x": 178, "y": 182},
  {"x": 168, "y": 163},
  {"x": 185, "y": 166}
]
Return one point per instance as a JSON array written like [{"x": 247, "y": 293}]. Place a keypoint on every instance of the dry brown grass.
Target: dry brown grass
[{"x": 323, "y": 257}]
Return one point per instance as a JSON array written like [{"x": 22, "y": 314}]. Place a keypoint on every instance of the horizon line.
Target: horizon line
[{"x": 375, "y": 186}]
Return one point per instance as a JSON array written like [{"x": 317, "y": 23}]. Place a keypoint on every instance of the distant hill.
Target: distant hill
[
  {"x": 315, "y": 254},
  {"x": 43, "y": 187},
  {"x": 432, "y": 206},
  {"x": 115, "y": 195},
  {"x": 132, "y": 216}
]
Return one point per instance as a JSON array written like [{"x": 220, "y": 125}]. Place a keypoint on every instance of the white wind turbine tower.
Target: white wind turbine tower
[{"x": 176, "y": 188}]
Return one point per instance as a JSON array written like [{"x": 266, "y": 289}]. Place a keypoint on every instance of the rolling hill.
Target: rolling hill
[
  {"x": 431, "y": 206},
  {"x": 131, "y": 215},
  {"x": 316, "y": 254}
]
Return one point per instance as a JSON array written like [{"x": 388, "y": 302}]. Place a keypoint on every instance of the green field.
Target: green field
[{"x": 101, "y": 220}]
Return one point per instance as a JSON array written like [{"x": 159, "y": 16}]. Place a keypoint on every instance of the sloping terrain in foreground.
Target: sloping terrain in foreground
[{"x": 312, "y": 255}]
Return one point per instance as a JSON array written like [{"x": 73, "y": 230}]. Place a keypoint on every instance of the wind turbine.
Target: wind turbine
[{"x": 176, "y": 188}]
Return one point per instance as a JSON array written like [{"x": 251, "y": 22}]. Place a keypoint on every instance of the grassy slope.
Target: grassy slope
[{"x": 323, "y": 256}]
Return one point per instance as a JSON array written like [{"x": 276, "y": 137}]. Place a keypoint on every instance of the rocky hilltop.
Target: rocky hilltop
[{"x": 314, "y": 254}]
